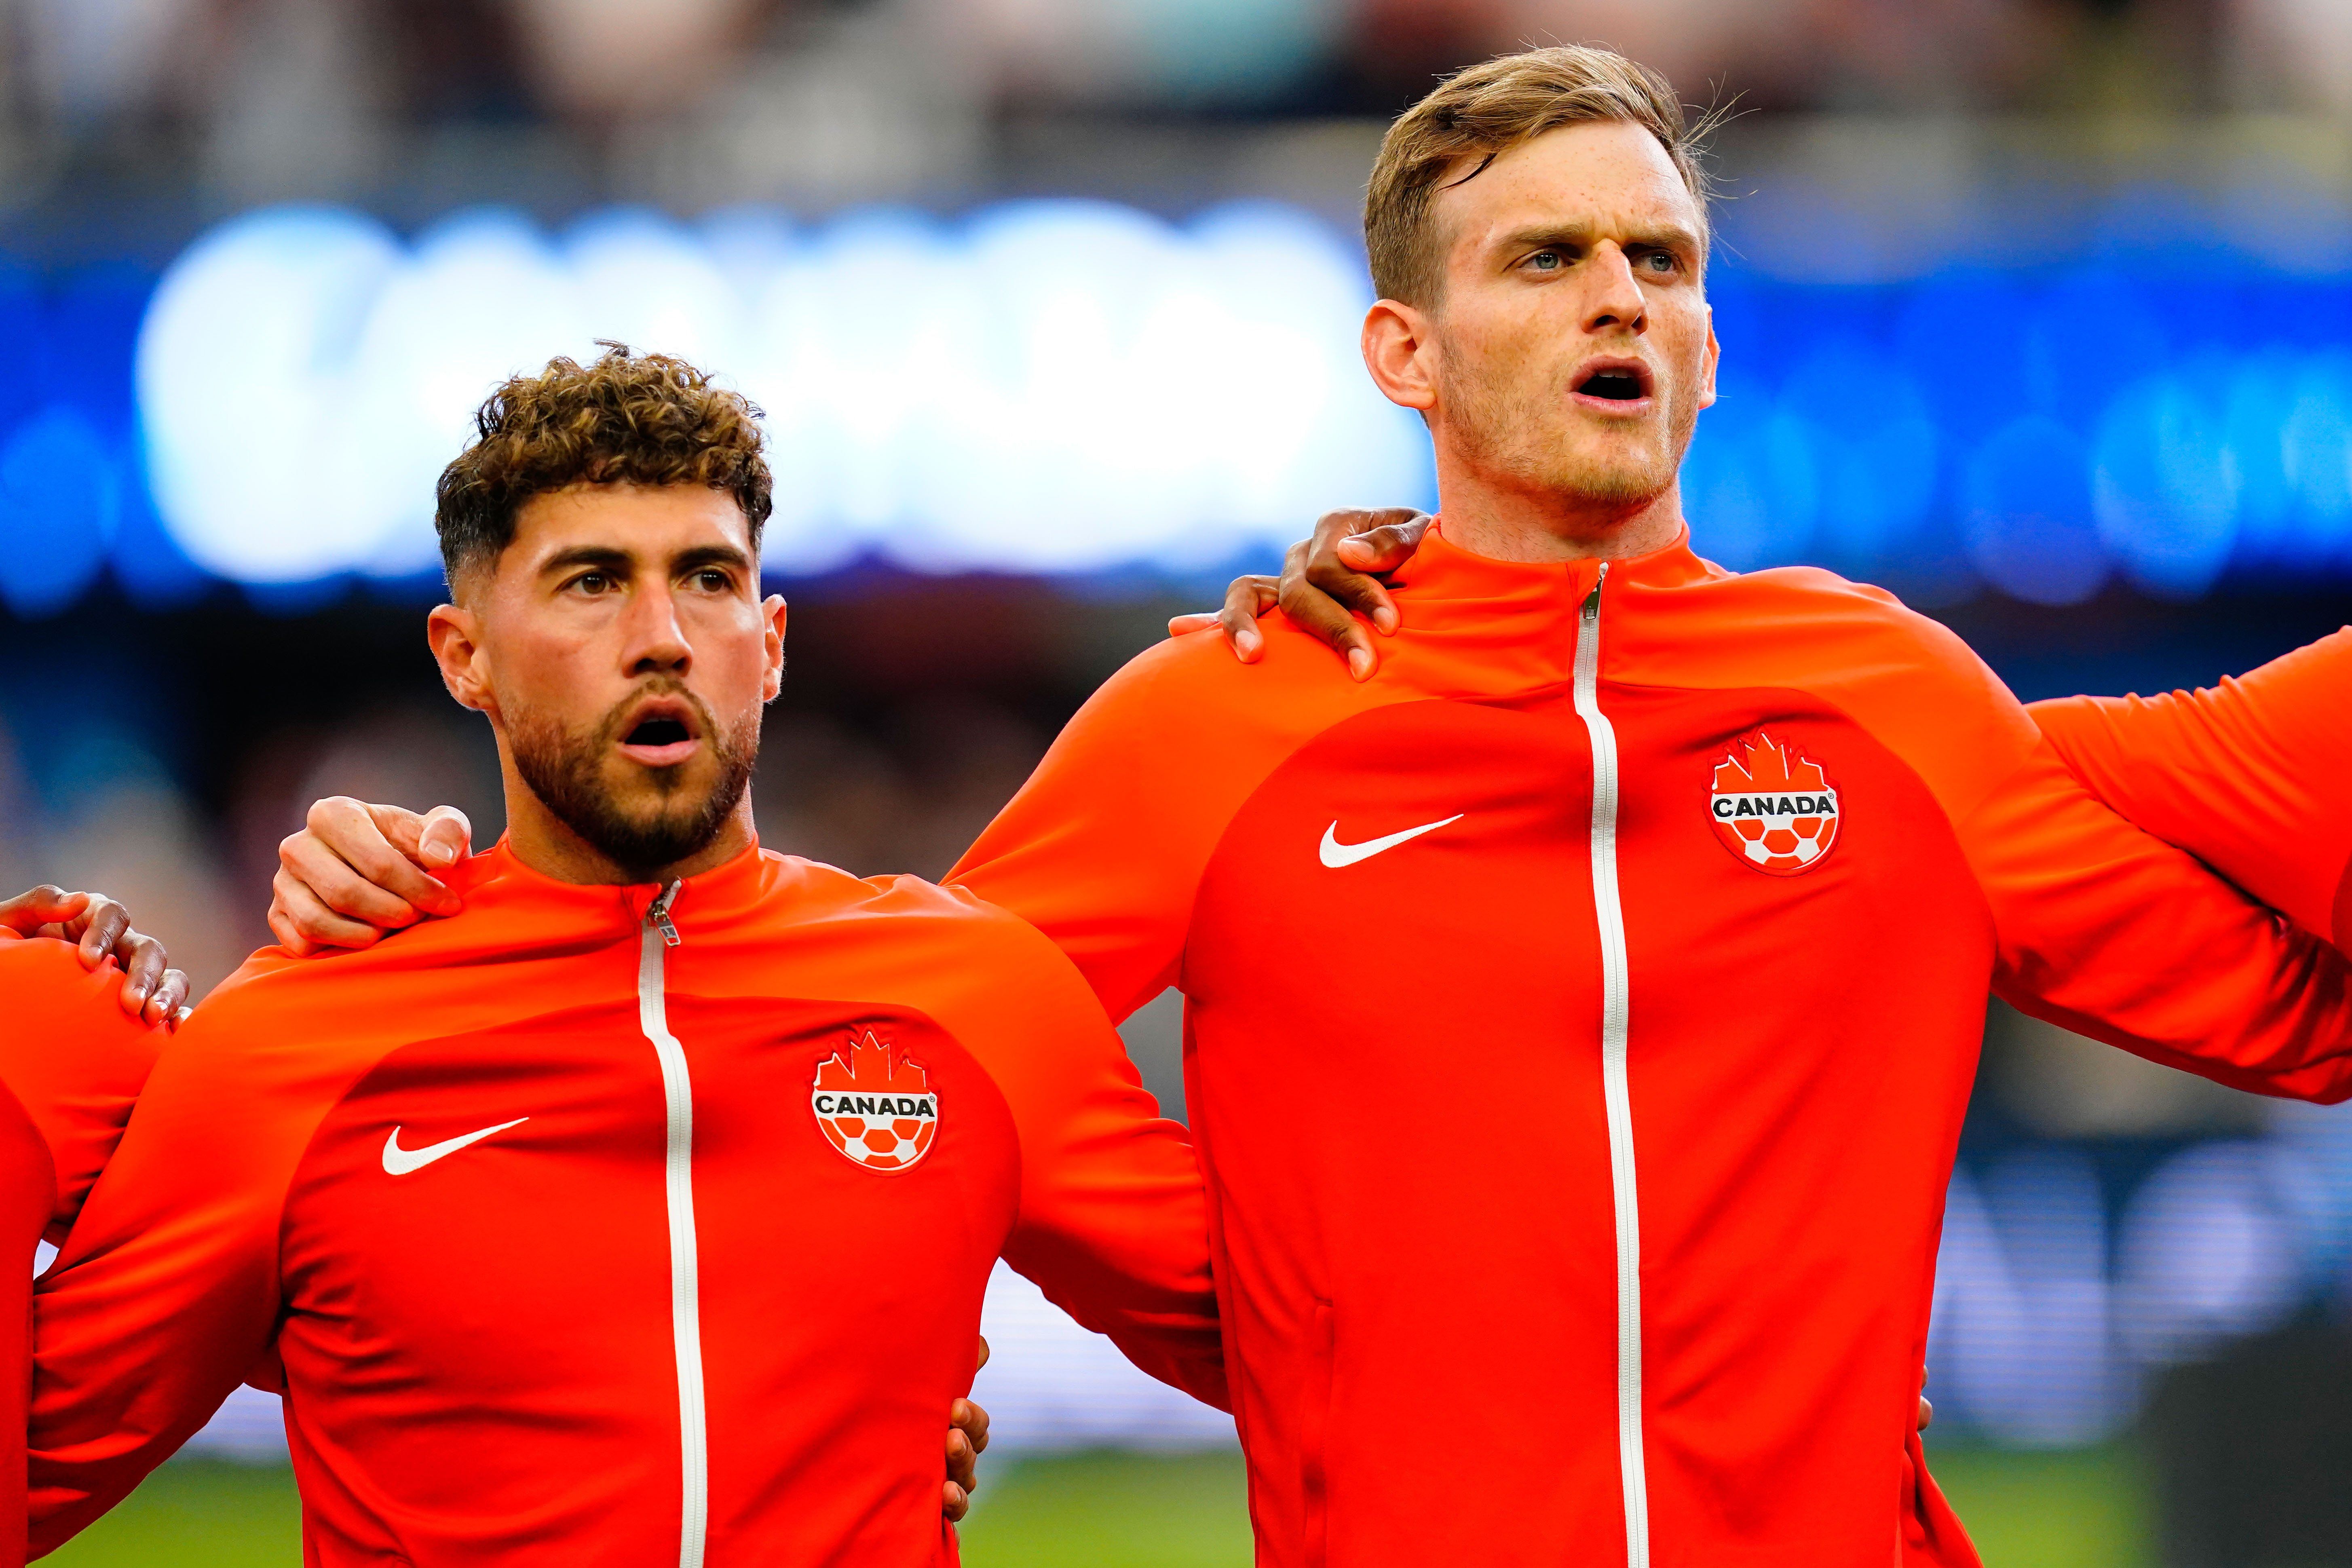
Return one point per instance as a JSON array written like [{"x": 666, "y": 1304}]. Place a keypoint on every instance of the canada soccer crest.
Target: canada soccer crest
[
  {"x": 1773, "y": 807},
  {"x": 875, "y": 1106}
]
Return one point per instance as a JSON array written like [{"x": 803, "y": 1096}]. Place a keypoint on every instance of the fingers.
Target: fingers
[
  {"x": 46, "y": 905},
  {"x": 963, "y": 1460},
  {"x": 982, "y": 1362},
  {"x": 143, "y": 966},
  {"x": 1926, "y": 1414},
  {"x": 1386, "y": 547},
  {"x": 1196, "y": 621},
  {"x": 972, "y": 1420},
  {"x": 967, "y": 1435},
  {"x": 443, "y": 836},
  {"x": 353, "y": 870},
  {"x": 382, "y": 845},
  {"x": 170, "y": 1001},
  {"x": 1323, "y": 617},
  {"x": 98, "y": 930},
  {"x": 303, "y": 924},
  {"x": 1342, "y": 567},
  {"x": 1246, "y": 598}
]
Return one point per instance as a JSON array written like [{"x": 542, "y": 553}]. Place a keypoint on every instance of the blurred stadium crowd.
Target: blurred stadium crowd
[{"x": 2037, "y": 311}]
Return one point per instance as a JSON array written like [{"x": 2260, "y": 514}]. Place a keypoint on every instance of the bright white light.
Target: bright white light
[
  {"x": 1052, "y": 386},
  {"x": 245, "y": 391}
]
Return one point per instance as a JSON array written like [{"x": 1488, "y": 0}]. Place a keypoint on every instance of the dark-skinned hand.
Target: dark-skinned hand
[
  {"x": 1330, "y": 587},
  {"x": 967, "y": 1439},
  {"x": 101, "y": 929}
]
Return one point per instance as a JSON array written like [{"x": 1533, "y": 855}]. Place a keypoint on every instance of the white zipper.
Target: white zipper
[
  {"x": 658, "y": 933},
  {"x": 1608, "y": 910}
]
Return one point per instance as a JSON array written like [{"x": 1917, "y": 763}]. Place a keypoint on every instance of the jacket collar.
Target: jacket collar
[
  {"x": 725, "y": 889},
  {"x": 1441, "y": 569}
]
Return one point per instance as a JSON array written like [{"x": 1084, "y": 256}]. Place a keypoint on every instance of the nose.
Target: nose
[
  {"x": 1616, "y": 301},
  {"x": 656, "y": 644}
]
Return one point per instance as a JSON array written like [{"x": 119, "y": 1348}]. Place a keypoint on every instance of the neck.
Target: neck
[
  {"x": 546, "y": 843},
  {"x": 1504, "y": 519}
]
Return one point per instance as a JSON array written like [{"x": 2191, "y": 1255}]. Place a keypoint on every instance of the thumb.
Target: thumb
[
  {"x": 1388, "y": 546},
  {"x": 26, "y": 913},
  {"x": 447, "y": 837}
]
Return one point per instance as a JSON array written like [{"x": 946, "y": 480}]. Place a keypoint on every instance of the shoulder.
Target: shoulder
[
  {"x": 1809, "y": 628},
  {"x": 1195, "y": 682},
  {"x": 1904, "y": 678},
  {"x": 43, "y": 966},
  {"x": 947, "y": 930},
  {"x": 944, "y": 950},
  {"x": 49, "y": 989},
  {"x": 64, "y": 1034}
]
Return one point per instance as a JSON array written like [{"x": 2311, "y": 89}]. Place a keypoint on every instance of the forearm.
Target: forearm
[
  {"x": 2109, "y": 931},
  {"x": 2247, "y": 776},
  {"x": 117, "y": 1387}
]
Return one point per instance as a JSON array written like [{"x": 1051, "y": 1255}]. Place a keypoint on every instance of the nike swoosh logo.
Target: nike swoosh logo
[
  {"x": 399, "y": 1161},
  {"x": 1336, "y": 854}
]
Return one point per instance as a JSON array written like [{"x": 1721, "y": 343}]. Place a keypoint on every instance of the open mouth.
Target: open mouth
[
  {"x": 1615, "y": 381},
  {"x": 663, "y": 733}
]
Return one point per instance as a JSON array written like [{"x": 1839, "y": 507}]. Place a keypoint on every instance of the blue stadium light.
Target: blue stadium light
[
  {"x": 1080, "y": 388},
  {"x": 1050, "y": 386},
  {"x": 58, "y": 502}
]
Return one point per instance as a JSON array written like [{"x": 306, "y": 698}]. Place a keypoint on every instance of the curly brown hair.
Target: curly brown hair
[{"x": 629, "y": 418}]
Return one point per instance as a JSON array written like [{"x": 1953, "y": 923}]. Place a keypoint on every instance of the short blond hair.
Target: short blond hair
[{"x": 1489, "y": 109}]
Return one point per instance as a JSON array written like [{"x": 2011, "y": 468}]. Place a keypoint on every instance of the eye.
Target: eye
[
  {"x": 1659, "y": 261},
  {"x": 711, "y": 580},
  {"x": 592, "y": 581},
  {"x": 1546, "y": 262}
]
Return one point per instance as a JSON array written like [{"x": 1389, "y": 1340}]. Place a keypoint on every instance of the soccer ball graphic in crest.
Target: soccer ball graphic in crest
[
  {"x": 1773, "y": 807},
  {"x": 875, "y": 1105}
]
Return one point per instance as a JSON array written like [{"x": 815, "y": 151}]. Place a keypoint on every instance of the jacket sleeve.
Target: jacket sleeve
[
  {"x": 165, "y": 1293},
  {"x": 2109, "y": 931},
  {"x": 1113, "y": 1224},
  {"x": 1102, "y": 847},
  {"x": 73, "y": 1057},
  {"x": 2099, "y": 926},
  {"x": 2250, "y": 775}
]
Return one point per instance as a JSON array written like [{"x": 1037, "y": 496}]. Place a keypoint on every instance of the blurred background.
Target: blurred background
[{"x": 2038, "y": 312}]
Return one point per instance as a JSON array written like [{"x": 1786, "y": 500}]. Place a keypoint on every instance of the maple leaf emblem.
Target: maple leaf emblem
[
  {"x": 875, "y": 1104},
  {"x": 1772, "y": 807}
]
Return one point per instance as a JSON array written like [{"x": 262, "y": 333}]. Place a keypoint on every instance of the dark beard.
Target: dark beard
[{"x": 565, "y": 769}]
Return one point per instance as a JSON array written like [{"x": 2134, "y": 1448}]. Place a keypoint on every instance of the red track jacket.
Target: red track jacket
[
  {"x": 71, "y": 1062},
  {"x": 594, "y": 1227},
  {"x": 2250, "y": 776},
  {"x": 1582, "y": 1014}
]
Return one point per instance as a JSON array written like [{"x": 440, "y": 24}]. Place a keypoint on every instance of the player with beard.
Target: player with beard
[
  {"x": 1627, "y": 1174},
  {"x": 642, "y": 1212},
  {"x": 88, "y": 1002}
]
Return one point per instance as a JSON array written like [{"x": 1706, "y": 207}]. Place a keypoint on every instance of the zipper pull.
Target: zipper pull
[
  {"x": 1590, "y": 609},
  {"x": 657, "y": 916}
]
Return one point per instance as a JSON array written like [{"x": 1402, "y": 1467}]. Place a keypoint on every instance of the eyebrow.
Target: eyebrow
[
  {"x": 1655, "y": 236},
  {"x": 613, "y": 559}
]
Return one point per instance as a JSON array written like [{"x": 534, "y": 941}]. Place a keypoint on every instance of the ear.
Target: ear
[
  {"x": 1401, "y": 350},
  {"x": 1706, "y": 372},
  {"x": 455, "y": 636},
  {"x": 772, "y": 682}
]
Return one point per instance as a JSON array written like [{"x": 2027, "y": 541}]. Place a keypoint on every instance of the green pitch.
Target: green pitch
[{"x": 2086, "y": 1509}]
